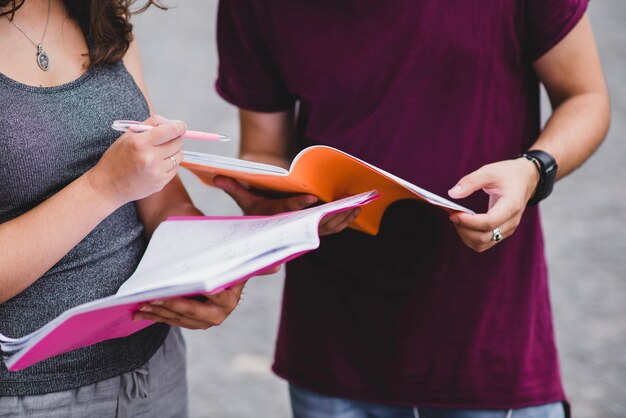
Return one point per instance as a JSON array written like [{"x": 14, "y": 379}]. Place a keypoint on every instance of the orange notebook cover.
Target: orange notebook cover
[{"x": 325, "y": 172}]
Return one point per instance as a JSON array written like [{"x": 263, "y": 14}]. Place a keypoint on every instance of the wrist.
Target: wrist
[
  {"x": 546, "y": 168},
  {"x": 102, "y": 191},
  {"x": 530, "y": 174}
]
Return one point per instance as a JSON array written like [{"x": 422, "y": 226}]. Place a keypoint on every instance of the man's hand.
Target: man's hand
[
  {"x": 509, "y": 184},
  {"x": 255, "y": 204}
]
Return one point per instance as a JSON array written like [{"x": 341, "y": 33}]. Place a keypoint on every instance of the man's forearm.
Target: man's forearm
[
  {"x": 575, "y": 130},
  {"x": 267, "y": 137}
]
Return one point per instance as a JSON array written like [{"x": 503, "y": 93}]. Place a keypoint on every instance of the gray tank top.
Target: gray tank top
[{"x": 49, "y": 136}]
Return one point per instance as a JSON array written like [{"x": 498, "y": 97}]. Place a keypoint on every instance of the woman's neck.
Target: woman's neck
[{"x": 36, "y": 29}]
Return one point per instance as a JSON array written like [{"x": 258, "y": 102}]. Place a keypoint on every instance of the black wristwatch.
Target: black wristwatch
[{"x": 546, "y": 165}]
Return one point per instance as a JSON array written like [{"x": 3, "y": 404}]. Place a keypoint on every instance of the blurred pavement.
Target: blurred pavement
[{"x": 585, "y": 218}]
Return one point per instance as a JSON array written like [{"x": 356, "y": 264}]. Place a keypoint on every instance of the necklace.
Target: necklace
[{"x": 42, "y": 58}]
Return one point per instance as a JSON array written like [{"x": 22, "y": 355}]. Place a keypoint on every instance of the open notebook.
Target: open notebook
[
  {"x": 186, "y": 256},
  {"x": 324, "y": 171}
]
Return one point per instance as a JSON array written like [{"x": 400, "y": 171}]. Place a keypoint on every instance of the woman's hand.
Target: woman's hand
[
  {"x": 509, "y": 184},
  {"x": 193, "y": 313},
  {"x": 255, "y": 204},
  {"x": 138, "y": 165}
]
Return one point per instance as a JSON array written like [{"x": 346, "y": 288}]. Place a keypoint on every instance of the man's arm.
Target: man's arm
[
  {"x": 574, "y": 80},
  {"x": 573, "y": 77},
  {"x": 268, "y": 138},
  {"x": 265, "y": 138}
]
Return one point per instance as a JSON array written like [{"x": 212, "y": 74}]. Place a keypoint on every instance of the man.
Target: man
[{"x": 446, "y": 95}]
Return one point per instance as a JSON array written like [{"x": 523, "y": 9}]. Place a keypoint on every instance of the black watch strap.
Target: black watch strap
[{"x": 546, "y": 165}]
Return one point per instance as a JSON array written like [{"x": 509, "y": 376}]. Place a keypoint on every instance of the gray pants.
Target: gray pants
[{"x": 158, "y": 389}]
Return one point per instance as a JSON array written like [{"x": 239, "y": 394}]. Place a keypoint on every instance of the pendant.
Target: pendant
[{"x": 42, "y": 58}]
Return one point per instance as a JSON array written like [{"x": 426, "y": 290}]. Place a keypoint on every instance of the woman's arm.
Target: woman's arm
[
  {"x": 173, "y": 199},
  {"x": 35, "y": 241},
  {"x": 135, "y": 166},
  {"x": 154, "y": 209}
]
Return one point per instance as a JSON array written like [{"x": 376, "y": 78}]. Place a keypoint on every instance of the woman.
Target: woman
[{"x": 77, "y": 205}]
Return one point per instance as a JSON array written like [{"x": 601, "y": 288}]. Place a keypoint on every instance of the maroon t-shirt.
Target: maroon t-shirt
[{"x": 430, "y": 91}]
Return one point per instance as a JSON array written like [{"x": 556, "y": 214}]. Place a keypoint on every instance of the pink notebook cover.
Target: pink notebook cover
[
  {"x": 98, "y": 325},
  {"x": 104, "y": 323}
]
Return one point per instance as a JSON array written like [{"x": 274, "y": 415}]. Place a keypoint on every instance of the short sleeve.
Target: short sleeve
[
  {"x": 549, "y": 21},
  {"x": 247, "y": 75}
]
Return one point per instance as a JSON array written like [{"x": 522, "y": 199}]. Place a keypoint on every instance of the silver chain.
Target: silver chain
[{"x": 37, "y": 45}]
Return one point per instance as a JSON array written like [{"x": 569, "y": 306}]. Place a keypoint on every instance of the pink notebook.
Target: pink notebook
[{"x": 186, "y": 256}]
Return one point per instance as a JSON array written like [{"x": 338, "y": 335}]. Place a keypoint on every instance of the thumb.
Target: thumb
[
  {"x": 227, "y": 184},
  {"x": 468, "y": 185},
  {"x": 230, "y": 186}
]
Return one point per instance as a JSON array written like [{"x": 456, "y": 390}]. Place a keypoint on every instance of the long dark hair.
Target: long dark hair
[{"x": 105, "y": 24}]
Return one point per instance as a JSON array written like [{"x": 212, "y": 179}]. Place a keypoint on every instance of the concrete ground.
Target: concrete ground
[{"x": 585, "y": 218}]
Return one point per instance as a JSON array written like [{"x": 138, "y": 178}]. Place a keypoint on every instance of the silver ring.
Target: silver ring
[
  {"x": 496, "y": 235},
  {"x": 174, "y": 161}
]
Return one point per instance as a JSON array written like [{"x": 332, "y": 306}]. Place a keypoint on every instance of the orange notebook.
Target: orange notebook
[{"x": 325, "y": 172}]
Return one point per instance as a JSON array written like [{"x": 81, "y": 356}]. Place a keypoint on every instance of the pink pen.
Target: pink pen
[{"x": 134, "y": 126}]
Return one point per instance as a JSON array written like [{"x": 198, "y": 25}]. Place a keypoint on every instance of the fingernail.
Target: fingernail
[
  {"x": 137, "y": 318},
  {"x": 157, "y": 302},
  {"x": 145, "y": 308},
  {"x": 456, "y": 189},
  {"x": 310, "y": 199}
]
